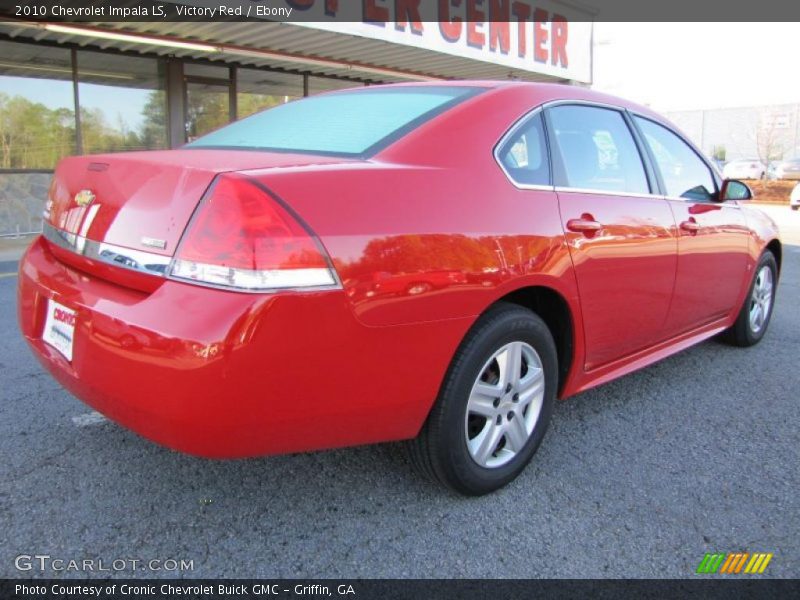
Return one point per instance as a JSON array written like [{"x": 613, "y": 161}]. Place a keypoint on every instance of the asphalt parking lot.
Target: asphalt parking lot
[{"x": 638, "y": 478}]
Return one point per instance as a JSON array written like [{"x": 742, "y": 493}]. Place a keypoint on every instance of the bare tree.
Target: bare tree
[{"x": 770, "y": 137}]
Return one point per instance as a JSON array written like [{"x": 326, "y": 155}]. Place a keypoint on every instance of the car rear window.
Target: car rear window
[{"x": 348, "y": 123}]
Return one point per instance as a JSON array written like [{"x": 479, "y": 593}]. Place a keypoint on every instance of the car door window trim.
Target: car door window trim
[
  {"x": 555, "y": 160},
  {"x": 578, "y": 190},
  {"x": 659, "y": 177},
  {"x": 652, "y": 172}
]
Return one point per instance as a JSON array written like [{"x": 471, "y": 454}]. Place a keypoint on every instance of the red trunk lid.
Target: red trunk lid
[{"x": 144, "y": 200}]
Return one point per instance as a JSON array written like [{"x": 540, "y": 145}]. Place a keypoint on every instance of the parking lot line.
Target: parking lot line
[{"x": 88, "y": 419}]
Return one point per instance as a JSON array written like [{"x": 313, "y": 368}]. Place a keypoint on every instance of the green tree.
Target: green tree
[
  {"x": 205, "y": 110},
  {"x": 153, "y": 132},
  {"x": 33, "y": 135}
]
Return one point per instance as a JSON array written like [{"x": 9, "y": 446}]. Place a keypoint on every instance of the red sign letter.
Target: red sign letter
[
  {"x": 449, "y": 28},
  {"x": 560, "y": 30},
  {"x": 499, "y": 26},
  {"x": 540, "y": 35},
  {"x": 377, "y": 15},
  {"x": 475, "y": 15},
  {"x": 522, "y": 12},
  {"x": 405, "y": 11}
]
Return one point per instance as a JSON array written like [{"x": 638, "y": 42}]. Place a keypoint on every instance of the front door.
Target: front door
[
  {"x": 621, "y": 237},
  {"x": 713, "y": 236}
]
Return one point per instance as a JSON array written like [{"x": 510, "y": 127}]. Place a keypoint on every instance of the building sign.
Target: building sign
[
  {"x": 776, "y": 120},
  {"x": 523, "y": 35},
  {"x": 550, "y": 37}
]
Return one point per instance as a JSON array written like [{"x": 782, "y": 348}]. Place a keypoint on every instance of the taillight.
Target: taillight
[{"x": 241, "y": 238}]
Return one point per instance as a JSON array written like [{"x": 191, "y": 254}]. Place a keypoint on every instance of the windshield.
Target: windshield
[{"x": 348, "y": 123}]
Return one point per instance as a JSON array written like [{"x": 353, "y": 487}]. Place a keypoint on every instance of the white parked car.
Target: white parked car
[
  {"x": 788, "y": 169},
  {"x": 794, "y": 199},
  {"x": 750, "y": 168}
]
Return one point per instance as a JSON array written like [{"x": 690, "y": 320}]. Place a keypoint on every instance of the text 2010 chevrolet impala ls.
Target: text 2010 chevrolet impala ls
[{"x": 425, "y": 262}]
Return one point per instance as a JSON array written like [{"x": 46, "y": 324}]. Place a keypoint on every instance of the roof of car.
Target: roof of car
[{"x": 548, "y": 92}]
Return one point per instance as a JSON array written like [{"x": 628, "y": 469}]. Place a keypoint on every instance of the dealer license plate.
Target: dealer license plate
[{"x": 59, "y": 328}]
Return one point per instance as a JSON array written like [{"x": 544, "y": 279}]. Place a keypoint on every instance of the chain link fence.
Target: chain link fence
[{"x": 22, "y": 198}]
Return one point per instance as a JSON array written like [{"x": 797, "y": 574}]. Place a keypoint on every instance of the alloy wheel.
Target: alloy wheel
[
  {"x": 761, "y": 299},
  {"x": 504, "y": 405}
]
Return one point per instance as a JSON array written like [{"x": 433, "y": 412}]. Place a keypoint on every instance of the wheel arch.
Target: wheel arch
[
  {"x": 775, "y": 247},
  {"x": 553, "y": 308}
]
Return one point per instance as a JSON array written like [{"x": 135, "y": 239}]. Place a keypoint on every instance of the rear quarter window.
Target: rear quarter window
[{"x": 524, "y": 154}]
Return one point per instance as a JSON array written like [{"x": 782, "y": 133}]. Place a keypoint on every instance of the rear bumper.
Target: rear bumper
[{"x": 222, "y": 374}]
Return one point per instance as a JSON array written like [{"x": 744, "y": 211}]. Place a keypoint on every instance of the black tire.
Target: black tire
[
  {"x": 440, "y": 451},
  {"x": 795, "y": 206},
  {"x": 741, "y": 333}
]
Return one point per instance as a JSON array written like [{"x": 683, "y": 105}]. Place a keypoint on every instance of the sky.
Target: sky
[
  {"x": 682, "y": 66},
  {"x": 116, "y": 102}
]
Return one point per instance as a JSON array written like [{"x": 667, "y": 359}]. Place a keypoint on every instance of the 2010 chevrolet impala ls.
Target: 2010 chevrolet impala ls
[{"x": 426, "y": 262}]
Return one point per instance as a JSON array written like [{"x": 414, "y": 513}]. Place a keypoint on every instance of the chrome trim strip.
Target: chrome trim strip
[
  {"x": 579, "y": 102},
  {"x": 571, "y": 190},
  {"x": 530, "y": 186},
  {"x": 160, "y": 266},
  {"x": 126, "y": 258}
]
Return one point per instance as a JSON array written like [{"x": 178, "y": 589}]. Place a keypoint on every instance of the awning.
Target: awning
[{"x": 291, "y": 47}]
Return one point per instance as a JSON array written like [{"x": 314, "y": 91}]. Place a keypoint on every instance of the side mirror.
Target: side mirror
[{"x": 733, "y": 189}]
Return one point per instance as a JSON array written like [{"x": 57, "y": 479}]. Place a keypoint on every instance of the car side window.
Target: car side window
[
  {"x": 684, "y": 173},
  {"x": 524, "y": 154},
  {"x": 597, "y": 150}
]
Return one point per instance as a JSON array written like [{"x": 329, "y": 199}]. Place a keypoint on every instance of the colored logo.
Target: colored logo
[
  {"x": 84, "y": 198},
  {"x": 735, "y": 563}
]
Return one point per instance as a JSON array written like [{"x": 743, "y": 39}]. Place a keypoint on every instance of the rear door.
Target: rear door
[
  {"x": 713, "y": 235},
  {"x": 621, "y": 233}
]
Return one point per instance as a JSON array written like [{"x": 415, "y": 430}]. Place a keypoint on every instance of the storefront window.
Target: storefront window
[
  {"x": 123, "y": 107},
  {"x": 207, "y": 108},
  {"x": 257, "y": 90},
  {"x": 123, "y": 103},
  {"x": 207, "y": 98},
  {"x": 37, "y": 112}
]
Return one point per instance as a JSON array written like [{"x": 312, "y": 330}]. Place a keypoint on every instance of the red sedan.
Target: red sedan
[{"x": 424, "y": 262}]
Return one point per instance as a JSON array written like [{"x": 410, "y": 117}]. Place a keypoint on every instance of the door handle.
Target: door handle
[
  {"x": 586, "y": 224},
  {"x": 691, "y": 225}
]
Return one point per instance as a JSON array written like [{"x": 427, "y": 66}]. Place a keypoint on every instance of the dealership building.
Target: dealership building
[
  {"x": 765, "y": 133},
  {"x": 101, "y": 86}
]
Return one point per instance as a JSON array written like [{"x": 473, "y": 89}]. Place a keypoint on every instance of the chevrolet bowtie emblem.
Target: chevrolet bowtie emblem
[{"x": 84, "y": 198}]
